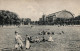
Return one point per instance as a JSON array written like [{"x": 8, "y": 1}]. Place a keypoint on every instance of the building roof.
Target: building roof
[{"x": 62, "y": 14}]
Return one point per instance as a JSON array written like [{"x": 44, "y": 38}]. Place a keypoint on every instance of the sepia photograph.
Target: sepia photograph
[{"x": 39, "y": 25}]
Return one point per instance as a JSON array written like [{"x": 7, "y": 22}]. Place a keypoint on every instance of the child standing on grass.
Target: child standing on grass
[{"x": 27, "y": 42}]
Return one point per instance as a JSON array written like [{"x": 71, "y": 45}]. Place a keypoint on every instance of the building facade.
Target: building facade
[{"x": 60, "y": 16}]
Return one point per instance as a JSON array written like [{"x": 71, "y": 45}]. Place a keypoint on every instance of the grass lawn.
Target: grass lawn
[{"x": 69, "y": 41}]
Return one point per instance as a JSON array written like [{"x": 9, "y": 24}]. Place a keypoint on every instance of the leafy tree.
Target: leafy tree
[{"x": 8, "y": 18}]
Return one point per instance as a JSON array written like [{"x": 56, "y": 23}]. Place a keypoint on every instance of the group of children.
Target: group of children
[{"x": 19, "y": 42}]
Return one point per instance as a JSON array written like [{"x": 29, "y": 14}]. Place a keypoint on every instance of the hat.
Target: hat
[{"x": 16, "y": 32}]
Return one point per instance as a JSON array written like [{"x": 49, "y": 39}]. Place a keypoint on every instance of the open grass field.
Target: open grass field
[{"x": 69, "y": 41}]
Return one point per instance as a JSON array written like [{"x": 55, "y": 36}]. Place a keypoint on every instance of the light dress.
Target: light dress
[{"x": 19, "y": 40}]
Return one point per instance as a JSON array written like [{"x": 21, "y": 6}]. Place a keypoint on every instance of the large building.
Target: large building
[{"x": 64, "y": 14}]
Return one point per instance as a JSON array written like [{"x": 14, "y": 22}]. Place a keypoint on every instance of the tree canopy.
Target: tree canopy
[{"x": 8, "y": 18}]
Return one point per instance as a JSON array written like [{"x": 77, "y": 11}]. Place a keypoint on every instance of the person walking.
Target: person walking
[{"x": 18, "y": 40}]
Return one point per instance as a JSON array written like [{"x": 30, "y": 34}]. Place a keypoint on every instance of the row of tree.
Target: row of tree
[{"x": 11, "y": 18}]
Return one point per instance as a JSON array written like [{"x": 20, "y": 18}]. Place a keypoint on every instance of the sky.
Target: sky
[{"x": 34, "y": 9}]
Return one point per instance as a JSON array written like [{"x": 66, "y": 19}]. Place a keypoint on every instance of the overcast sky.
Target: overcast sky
[{"x": 34, "y": 9}]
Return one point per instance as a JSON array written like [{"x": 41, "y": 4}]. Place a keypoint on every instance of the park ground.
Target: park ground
[{"x": 69, "y": 41}]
